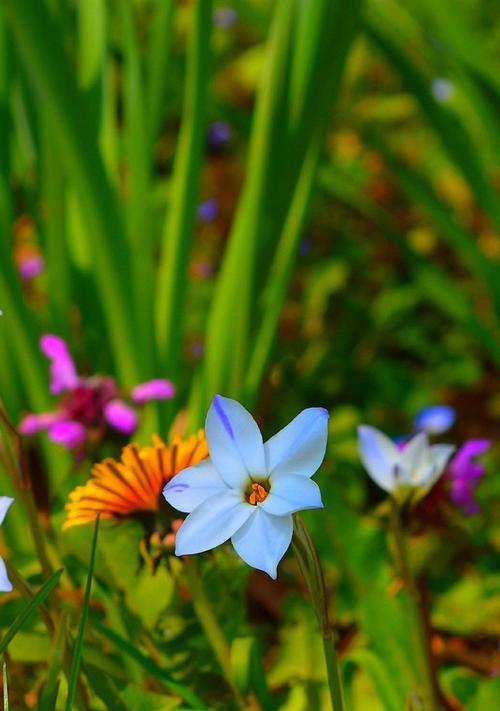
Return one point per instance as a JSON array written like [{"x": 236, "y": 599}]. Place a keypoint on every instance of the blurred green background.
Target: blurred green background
[{"x": 292, "y": 203}]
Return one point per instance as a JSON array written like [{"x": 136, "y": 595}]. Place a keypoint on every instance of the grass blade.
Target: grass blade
[
  {"x": 5, "y": 688},
  {"x": 179, "y": 225},
  {"x": 56, "y": 663},
  {"x": 37, "y": 600},
  {"x": 77, "y": 651}
]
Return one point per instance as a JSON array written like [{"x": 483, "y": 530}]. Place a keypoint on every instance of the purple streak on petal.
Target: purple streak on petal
[
  {"x": 158, "y": 389},
  {"x": 120, "y": 416},
  {"x": 223, "y": 417},
  {"x": 68, "y": 433},
  {"x": 208, "y": 210},
  {"x": 465, "y": 474},
  {"x": 62, "y": 369},
  {"x": 31, "y": 424},
  {"x": 31, "y": 267}
]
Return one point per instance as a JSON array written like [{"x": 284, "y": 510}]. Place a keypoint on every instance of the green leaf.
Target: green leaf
[
  {"x": 139, "y": 700},
  {"x": 37, "y": 600}
]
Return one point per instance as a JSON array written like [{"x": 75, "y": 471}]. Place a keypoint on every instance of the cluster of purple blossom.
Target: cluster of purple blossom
[{"x": 87, "y": 404}]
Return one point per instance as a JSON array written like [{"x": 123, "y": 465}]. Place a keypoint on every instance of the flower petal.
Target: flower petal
[
  {"x": 435, "y": 419},
  {"x": 190, "y": 487},
  {"x": 5, "y": 584},
  {"x": 234, "y": 442},
  {"x": 5, "y": 504},
  {"x": 120, "y": 416},
  {"x": 414, "y": 459},
  {"x": 263, "y": 540},
  {"x": 439, "y": 455},
  {"x": 299, "y": 448},
  {"x": 290, "y": 494},
  {"x": 158, "y": 389},
  {"x": 68, "y": 433},
  {"x": 379, "y": 456},
  {"x": 62, "y": 369},
  {"x": 32, "y": 424},
  {"x": 212, "y": 523}
]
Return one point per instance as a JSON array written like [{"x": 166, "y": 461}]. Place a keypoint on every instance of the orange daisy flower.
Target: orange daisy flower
[{"x": 136, "y": 482}]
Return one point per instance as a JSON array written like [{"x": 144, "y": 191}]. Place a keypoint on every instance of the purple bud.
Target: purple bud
[
  {"x": 435, "y": 419},
  {"x": 207, "y": 211},
  {"x": 62, "y": 369},
  {"x": 120, "y": 416},
  {"x": 69, "y": 433},
  {"x": 225, "y": 17},
  {"x": 31, "y": 267},
  {"x": 158, "y": 389},
  {"x": 219, "y": 134}
]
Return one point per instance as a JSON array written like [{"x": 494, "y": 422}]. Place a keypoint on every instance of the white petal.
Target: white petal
[
  {"x": 292, "y": 493},
  {"x": 190, "y": 487},
  {"x": 212, "y": 522},
  {"x": 299, "y": 448},
  {"x": 5, "y": 504},
  {"x": 414, "y": 459},
  {"x": 234, "y": 442},
  {"x": 379, "y": 455},
  {"x": 263, "y": 540},
  {"x": 5, "y": 584},
  {"x": 439, "y": 455}
]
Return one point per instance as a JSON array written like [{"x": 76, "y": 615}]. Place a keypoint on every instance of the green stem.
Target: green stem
[
  {"x": 416, "y": 621},
  {"x": 211, "y": 627},
  {"x": 312, "y": 571}
]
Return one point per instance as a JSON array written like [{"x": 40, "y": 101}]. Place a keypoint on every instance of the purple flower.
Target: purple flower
[
  {"x": 435, "y": 419},
  {"x": 88, "y": 404},
  {"x": 465, "y": 473},
  {"x": 158, "y": 389},
  {"x": 63, "y": 373},
  {"x": 219, "y": 134},
  {"x": 31, "y": 266},
  {"x": 207, "y": 211},
  {"x": 225, "y": 17}
]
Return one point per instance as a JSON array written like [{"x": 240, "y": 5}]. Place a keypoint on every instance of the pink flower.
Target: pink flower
[
  {"x": 158, "y": 389},
  {"x": 88, "y": 404},
  {"x": 31, "y": 266}
]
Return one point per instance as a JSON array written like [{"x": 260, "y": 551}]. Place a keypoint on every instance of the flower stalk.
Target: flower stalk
[
  {"x": 310, "y": 566},
  {"x": 211, "y": 627},
  {"x": 415, "y": 614}
]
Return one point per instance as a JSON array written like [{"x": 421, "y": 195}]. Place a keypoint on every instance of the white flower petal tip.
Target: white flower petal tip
[
  {"x": 5, "y": 504},
  {"x": 248, "y": 491},
  {"x": 404, "y": 472},
  {"x": 5, "y": 584}
]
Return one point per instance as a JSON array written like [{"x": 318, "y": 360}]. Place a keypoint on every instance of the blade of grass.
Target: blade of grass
[
  {"x": 229, "y": 318},
  {"x": 180, "y": 221},
  {"x": 5, "y": 688},
  {"x": 37, "y": 600},
  {"x": 39, "y": 47},
  {"x": 158, "y": 64},
  {"x": 78, "y": 646},
  {"x": 50, "y": 690}
]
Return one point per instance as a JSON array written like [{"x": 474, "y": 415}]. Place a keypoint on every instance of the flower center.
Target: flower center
[{"x": 256, "y": 493}]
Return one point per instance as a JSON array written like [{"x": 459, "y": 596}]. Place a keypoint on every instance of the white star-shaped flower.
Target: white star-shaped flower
[
  {"x": 5, "y": 584},
  {"x": 413, "y": 469},
  {"x": 248, "y": 490}
]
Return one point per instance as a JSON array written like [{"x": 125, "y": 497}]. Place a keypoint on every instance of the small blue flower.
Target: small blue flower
[
  {"x": 5, "y": 584},
  {"x": 435, "y": 419},
  {"x": 248, "y": 490}
]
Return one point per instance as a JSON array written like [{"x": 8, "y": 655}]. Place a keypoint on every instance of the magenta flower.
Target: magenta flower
[
  {"x": 88, "y": 404},
  {"x": 31, "y": 266},
  {"x": 465, "y": 473}
]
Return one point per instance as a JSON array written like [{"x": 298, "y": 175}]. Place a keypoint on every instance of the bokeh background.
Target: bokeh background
[{"x": 294, "y": 204}]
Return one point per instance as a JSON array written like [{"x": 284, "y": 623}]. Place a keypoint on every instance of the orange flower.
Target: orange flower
[{"x": 135, "y": 483}]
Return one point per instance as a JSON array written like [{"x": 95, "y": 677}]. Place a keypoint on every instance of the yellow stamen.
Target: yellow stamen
[{"x": 258, "y": 494}]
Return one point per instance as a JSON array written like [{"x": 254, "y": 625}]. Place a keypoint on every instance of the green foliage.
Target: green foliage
[{"x": 353, "y": 263}]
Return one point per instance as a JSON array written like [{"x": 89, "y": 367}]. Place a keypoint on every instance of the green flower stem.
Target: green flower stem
[
  {"x": 211, "y": 627},
  {"x": 419, "y": 637},
  {"x": 312, "y": 571}
]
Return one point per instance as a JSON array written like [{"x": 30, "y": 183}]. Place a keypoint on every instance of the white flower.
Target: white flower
[
  {"x": 248, "y": 490},
  {"x": 412, "y": 469},
  {"x": 5, "y": 584}
]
